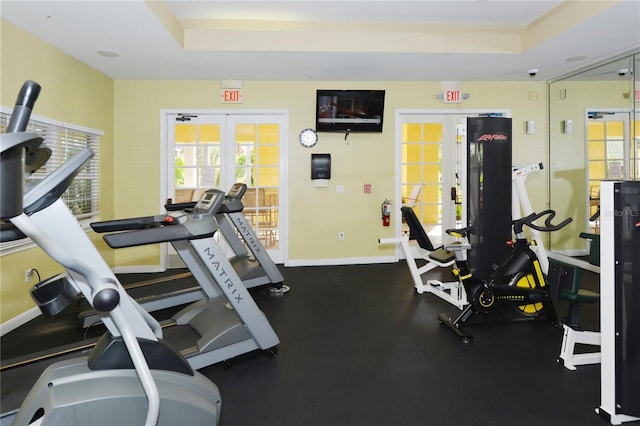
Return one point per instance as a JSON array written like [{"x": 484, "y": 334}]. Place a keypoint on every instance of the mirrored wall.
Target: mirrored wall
[{"x": 594, "y": 134}]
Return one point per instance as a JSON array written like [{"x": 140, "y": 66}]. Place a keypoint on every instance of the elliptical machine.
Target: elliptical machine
[
  {"x": 132, "y": 376},
  {"x": 518, "y": 282}
]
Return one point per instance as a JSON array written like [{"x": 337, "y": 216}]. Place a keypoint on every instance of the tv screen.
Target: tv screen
[{"x": 349, "y": 110}]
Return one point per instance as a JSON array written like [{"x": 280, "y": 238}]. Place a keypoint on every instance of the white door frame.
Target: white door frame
[{"x": 284, "y": 167}]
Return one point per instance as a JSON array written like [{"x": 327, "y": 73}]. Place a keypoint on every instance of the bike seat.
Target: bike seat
[{"x": 459, "y": 232}]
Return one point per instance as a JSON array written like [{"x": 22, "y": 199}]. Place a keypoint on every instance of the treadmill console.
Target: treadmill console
[
  {"x": 236, "y": 192},
  {"x": 209, "y": 202},
  {"x": 233, "y": 200}
]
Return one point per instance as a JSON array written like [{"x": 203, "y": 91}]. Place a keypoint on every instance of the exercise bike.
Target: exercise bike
[{"x": 518, "y": 282}]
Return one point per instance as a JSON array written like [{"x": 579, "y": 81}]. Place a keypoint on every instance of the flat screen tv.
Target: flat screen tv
[{"x": 349, "y": 110}]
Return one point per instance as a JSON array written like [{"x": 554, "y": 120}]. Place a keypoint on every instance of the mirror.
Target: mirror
[
  {"x": 636, "y": 116},
  {"x": 594, "y": 134}
]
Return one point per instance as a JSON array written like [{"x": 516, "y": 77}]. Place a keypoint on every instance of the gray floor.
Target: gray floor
[{"x": 360, "y": 347}]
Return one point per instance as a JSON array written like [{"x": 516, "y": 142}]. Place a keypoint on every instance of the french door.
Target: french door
[
  {"x": 609, "y": 154},
  {"x": 431, "y": 154},
  {"x": 216, "y": 150}
]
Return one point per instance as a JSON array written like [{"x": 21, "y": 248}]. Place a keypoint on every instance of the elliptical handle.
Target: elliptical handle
[{"x": 24, "y": 104}]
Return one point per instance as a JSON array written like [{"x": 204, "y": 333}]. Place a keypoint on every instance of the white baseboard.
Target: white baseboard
[
  {"x": 19, "y": 320},
  {"x": 340, "y": 261}
]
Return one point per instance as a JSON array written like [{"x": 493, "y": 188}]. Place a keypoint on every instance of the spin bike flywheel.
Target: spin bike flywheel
[
  {"x": 527, "y": 280},
  {"x": 483, "y": 303}
]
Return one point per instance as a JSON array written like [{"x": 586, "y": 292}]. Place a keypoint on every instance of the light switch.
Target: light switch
[{"x": 530, "y": 127}]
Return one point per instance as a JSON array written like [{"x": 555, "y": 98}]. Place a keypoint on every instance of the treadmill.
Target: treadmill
[
  {"x": 226, "y": 323},
  {"x": 167, "y": 292},
  {"x": 257, "y": 268},
  {"x": 175, "y": 290}
]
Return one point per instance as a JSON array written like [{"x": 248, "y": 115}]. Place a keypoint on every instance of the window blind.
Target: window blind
[{"x": 65, "y": 140}]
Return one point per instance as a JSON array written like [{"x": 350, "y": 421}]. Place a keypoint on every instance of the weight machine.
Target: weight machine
[
  {"x": 445, "y": 256},
  {"x": 494, "y": 273},
  {"x": 452, "y": 292},
  {"x": 620, "y": 301}
]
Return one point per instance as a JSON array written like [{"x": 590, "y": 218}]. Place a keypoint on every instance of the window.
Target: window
[
  {"x": 65, "y": 140},
  {"x": 607, "y": 149}
]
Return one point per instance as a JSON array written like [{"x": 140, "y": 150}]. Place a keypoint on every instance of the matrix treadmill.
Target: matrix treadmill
[
  {"x": 178, "y": 289},
  {"x": 257, "y": 268}
]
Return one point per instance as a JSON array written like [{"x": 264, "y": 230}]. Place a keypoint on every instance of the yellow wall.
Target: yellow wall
[
  {"x": 316, "y": 215},
  {"x": 129, "y": 114},
  {"x": 71, "y": 92}
]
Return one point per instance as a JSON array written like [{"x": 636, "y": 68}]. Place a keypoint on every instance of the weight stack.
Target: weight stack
[{"x": 489, "y": 191}]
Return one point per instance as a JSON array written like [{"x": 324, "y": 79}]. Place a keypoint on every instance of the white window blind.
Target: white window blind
[{"x": 65, "y": 140}]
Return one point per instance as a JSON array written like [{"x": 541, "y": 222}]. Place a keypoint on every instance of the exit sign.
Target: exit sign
[
  {"x": 231, "y": 96},
  {"x": 451, "y": 92},
  {"x": 452, "y": 97}
]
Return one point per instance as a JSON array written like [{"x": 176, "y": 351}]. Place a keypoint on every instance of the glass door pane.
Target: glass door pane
[
  {"x": 607, "y": 158},
  {"x": 427, "y": 171},
  {"x": 197, "y": 158},
  {"x": 257, "y": 158}
]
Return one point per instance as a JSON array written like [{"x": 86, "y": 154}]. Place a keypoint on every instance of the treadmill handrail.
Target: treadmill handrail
[
  {"x": 180, "y": 206},
  {"x": 193, "y": 227},
  {"x": 128, "y": 224}
]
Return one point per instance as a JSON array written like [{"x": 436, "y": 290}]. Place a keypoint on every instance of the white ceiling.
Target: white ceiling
[{"x": 431, "y": 40}]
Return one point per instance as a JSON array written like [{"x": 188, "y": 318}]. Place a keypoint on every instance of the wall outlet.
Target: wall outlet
[
  {"x": 28, "y": 275},
  {"x": 341, "y": 235}
]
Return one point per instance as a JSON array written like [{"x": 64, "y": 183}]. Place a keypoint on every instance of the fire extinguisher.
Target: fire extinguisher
[{"x": 386, "y": 212}]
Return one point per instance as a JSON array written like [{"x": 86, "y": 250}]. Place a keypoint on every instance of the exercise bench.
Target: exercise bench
[{"x": 443, "y": 257}]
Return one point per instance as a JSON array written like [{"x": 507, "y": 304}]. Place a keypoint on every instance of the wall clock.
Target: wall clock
[{"x": 308, "y": 138}]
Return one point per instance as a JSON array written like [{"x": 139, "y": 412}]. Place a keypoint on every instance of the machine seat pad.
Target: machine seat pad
[{"x": 442, "y": 256}]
